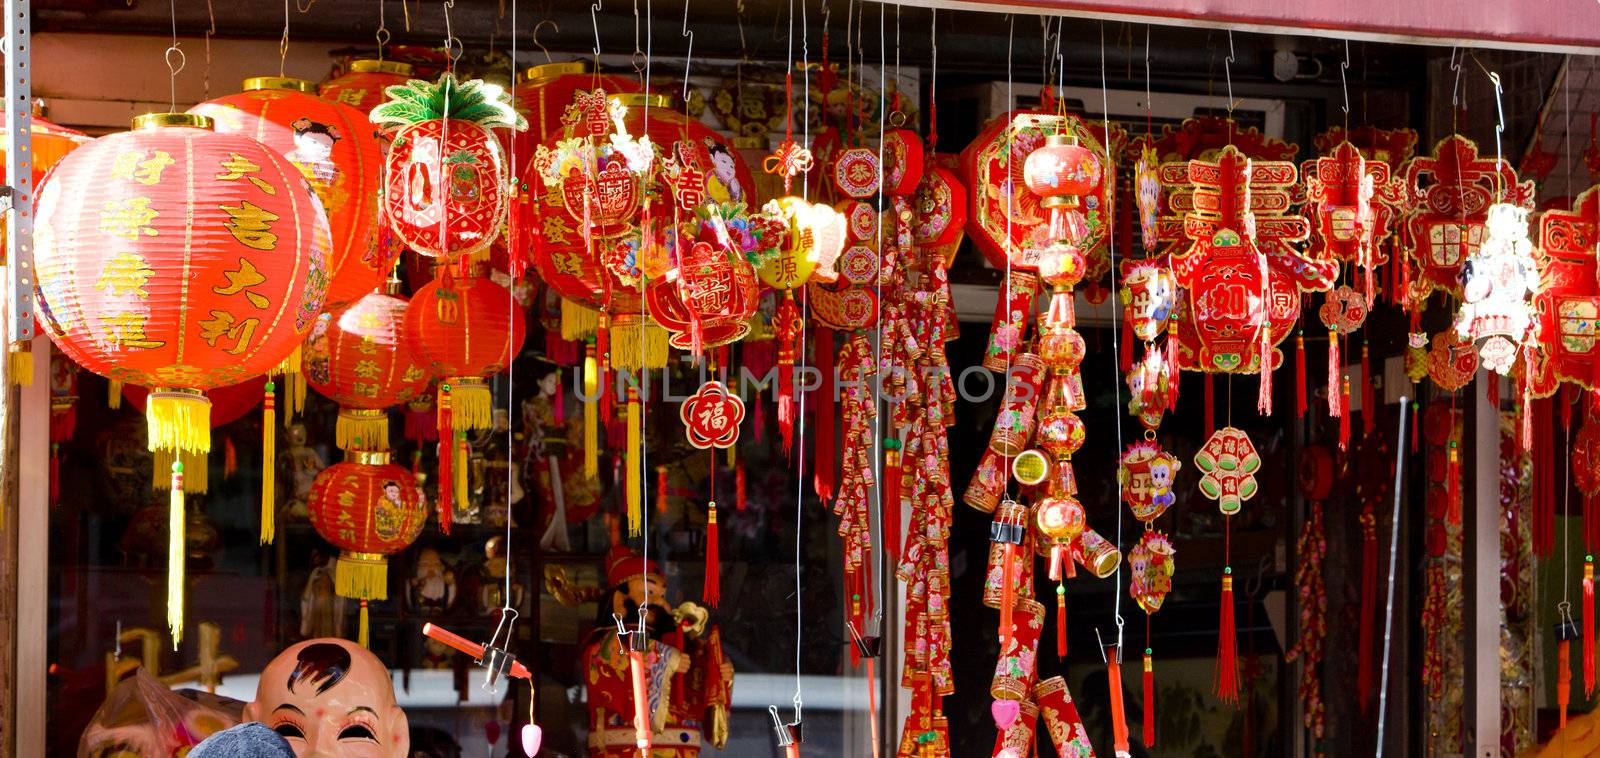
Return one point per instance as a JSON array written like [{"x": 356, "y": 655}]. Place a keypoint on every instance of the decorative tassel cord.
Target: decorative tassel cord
[
  {"x": 269, "y": 463},
  {"x": 1394, "y": 551},
  {"x": 176, "y": 555}
]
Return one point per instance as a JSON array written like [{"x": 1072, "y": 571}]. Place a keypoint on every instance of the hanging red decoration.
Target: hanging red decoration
[
  {"x": 445, "y": 174},
  {"x": 1354, "y": 202},
  {"x": 357, "y": 358},
  {"x": 337, "y": 151},
  {"x": 711, "y": 416},
  {"x": 1567, "y": 305},
  {"x": 363, "y": 83},
  {"x": 1450, "y": 192},
  {"x": 228, "y": 404}
]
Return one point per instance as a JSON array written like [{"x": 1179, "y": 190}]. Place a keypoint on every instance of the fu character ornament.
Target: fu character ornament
[
  {"x": 1229, "y": 462},
  {"x": 1497, "y": 282}
]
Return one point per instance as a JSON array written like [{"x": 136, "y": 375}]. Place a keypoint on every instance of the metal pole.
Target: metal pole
[
  {"x": 19, "y": 170},
  {"x": 1394, "y": 550},
  {"x": 1482, "y": 568}
]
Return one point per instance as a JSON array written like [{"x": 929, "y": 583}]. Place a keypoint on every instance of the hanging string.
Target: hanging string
[
  {"x": 1011, "y": 30},
  {"x": 882, "y": 541},
  {"x": 383, "y": 36},
  {"x": 1149, "y": 112},
  {"x": 511, "y": 358},
  {"x": 211, "y": 16},
  {"x": 283, "y": 44},
  {"x": 800, "y": 360},
  {"x": 174, "y": 51},
  {"x": 1116, "y": 362}
]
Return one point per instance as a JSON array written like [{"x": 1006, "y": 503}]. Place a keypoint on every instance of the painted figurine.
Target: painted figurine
[
  {"x": 321, "y": 609},
  {"x": 432, "y": 588},
  {"x": 304, "y": 463}
]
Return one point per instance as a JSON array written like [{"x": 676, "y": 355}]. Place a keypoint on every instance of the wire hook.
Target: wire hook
[
  {"x": 688, "y": 54},
  {"x": 540, "y": 45},
  {"x": 594, "y": 11},
  {"x": 1227, "y": 73},
  {"x": 1343, "y": 84}
]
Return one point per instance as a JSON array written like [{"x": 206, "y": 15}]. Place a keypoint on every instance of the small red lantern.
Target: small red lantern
[
  {"x": 445, "y": 188},
  {"x": 369, "y": 508},
  {"x": 140, "y": 283},
  {"x": 363, "y": 84},
  {"x": 1228, "y": 304},
  {"x": 940, "y": 204},
  {"x": 464, "y": 329},
  {"x": 1061, "y": 172},
  {"x": 357, "y": 358},
  {"x": 337, "y": 151}
]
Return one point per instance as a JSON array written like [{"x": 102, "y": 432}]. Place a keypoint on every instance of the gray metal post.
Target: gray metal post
[{"x": 19, "y": 170}]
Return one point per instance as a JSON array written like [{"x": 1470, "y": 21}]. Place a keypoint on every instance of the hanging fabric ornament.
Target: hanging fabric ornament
[
  {"x": 1229, "y": 462},
  {"x": 367, "y": 507},
  {"x": 1450, "y": 192},
  {"x": 1354, "y": 202},
  {"x": 1342, "y": 312},
  {"x": 445, "y": 174},
  {"x": 1567, "y": 303},
  {"x": 1498, "y": 279}
]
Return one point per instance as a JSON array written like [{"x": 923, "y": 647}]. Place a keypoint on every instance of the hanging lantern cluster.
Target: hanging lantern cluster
[{"x": 365, "y": 82}]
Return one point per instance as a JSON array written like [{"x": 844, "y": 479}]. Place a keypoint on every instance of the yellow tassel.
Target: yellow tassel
[
  {"x": 359, "y": 429},
  {"x": 591, "y": 415},
  {"x": 269, "y": 464},
  {"x": 175, "y": 555},
  {"x": 635, "y": 440},
  {"x": 363, "y": 632},
  {"x": 22, "y": 367},
  {"x": 113, "y": 394},
  {"x": 733, "y": 458},
  {"x": 577, "y": 322},
  {"x": 472, "y": 404},
  {"x": 361, "y": 576},
  {"x": 626, "y": 336},
  {"x": 178, "y": 420},
  {"x": 297, "y": 397},
  {"x": 460, "y": 472},
  {"x": 196, "y": 477}
]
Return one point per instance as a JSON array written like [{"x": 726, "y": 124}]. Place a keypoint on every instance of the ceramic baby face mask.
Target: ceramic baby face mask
[{"x": 331, "y": 698}]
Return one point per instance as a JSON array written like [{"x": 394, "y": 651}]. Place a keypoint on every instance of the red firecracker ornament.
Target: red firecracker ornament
[
  {"x": 445, "y": 189},
  {"x": 369, "y": 508}
]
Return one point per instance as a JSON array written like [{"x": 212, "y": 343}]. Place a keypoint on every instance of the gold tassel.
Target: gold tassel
[
  {"x": 363, "y": 632},
  {"x": 635, "y": 442},
  {"x": 733, "y": 458},
  {"x": 297, "y": 397},
  {"x": 175, "y": 554},
  {"x": 22, "y": 366},
  {"x": 196, "y": 477},
  {"x": 359, "y": 429},
  {"x": 591, "y": 414},
  {"x": 361, "y": 576},
  {"x": 178, "y": 420},
  {"x": 577, "y": 322},
  {"x": 269, "y": 464},
  {"x": 626, "y": 339},
  {"x": 472, "y": 403},
  {"x": 460, "y": 472},
  {"x": 113, "y": 394}
]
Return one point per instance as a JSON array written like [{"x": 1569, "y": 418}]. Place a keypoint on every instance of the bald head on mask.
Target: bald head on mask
[{"x": 331, "y": 698}]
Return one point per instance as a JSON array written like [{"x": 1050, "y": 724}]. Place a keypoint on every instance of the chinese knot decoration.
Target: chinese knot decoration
[
  {"x": 711, "y": 416},
  {"x": 445, "y": 188},
  {"x": 1567, "y": 305},
  {"x": 1498, "y": 279},
  {"x": 369, "y": 508}
]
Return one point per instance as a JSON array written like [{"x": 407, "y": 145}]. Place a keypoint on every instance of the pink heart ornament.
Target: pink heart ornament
[
  {"x": 532, "y": 737},
  {"x": 1005, "y": 713}
]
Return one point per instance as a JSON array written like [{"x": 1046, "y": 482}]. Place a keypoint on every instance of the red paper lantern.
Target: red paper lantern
[
  {"x": 357, "y": 358},
  {"x": 369, "y": 508},
  {"x": 545, "y": 91},
  {"x": 228, "y": 404},
  {"x": 363, "y": 84},
  {"x": 464, "y": 329},
  {"x": 182, "y": 259},
  {"x": 337, "y": 151},
  {"x": 445, "y": 175}
]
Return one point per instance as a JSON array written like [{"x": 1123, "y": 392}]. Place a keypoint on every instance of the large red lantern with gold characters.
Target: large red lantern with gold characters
[
  {"x": 369, "y": 508},
  {"x": 358, "y": 359},
  {"x": 445, "y": 187},
  {"x": 337, "y": 151},
  {"x": 181, "y": 259},
  {"x": 363, "y": 83}
]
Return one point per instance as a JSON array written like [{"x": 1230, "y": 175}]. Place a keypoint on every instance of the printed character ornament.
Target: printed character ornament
[
  {"x": 1354, "y": 203},
  {"x": 1498, "y": 279},
  {"x": 1567, "y": 303},
  {"x": 1450, "y": 192},
  {"x": 1151, "y": 568},
  {"x": 706, "y": 300},
  {"x": 369, "y": 508},
  {"x": 1147, "y": 474},
  {"x": 1229, "y": 462},
  {"x": 357, "y": 358},
  {"x": 1152, "y": 388},
  {"x": 444, "y": 179},
  {"x": 337, "y": 151},
  {"x": 711, "y": 416}
]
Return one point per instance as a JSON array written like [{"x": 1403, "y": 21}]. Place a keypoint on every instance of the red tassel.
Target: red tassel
[
  {"x": 1369, "y": 400},
  {"x": 1563, "y": 679},
  {"x": 1173, "y": 367},
  {"x": 1416, "y": 411},
  {"x": 738, "y": 486},
  {"x": 602, "y": 347},
  {"x": 822, "y": 480},
  {"x": 1149, "y": 733},
  {"x": 1008, "y": 591},
  {"x": 1588, "y": 629},
  {"x": 1453, "y": 474},
  {"x": 713, "y": 585},
  {"x": 1211, "y": 406},
  {"x": 1301, "y": 405},
  {"x": 1369, "y": 604},
  {"x": 447, "y": 442},
  {"x": 1335, "y": 366},
  {"x": 758, "y": 422},
  {"x": 1227, "y": 679},
  {"x": 230, "y": 458},
  {"x": 891, "y": 501},
  {"x": 661, "y": 486},
  {"x": 1264, "y": 380},
  {"x": 1119, "y": 717},
  {"x": 55, "y": 473},
  {"x": 1061, "y": 622},
  {"x": 1344, "y": 419},
  {"x": 1126, "y": 355},
  {"x": 1492, "y": 391}
]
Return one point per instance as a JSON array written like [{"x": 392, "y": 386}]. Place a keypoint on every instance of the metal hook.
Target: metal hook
[
  {"x": 688, "y": 54},
  {"x": 1455, "y": 89},
  {"x": 1227, "y": 73},
  {"x": 1343, "y": 85},
  {"x": 594, "y": 11},
  {"x": 540, "y": 45}
]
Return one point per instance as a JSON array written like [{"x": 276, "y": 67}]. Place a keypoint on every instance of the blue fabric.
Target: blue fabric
[{"x": 250, "y": 740}]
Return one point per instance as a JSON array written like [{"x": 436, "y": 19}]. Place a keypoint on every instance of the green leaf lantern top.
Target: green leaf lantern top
[{"x": 474, "y": 100}]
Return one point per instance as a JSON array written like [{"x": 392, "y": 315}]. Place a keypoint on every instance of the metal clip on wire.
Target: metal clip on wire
[
  {"x": 869, "y": 646},
  {"x": 790, "y": 735},
  {"x": 495, "y": 660}
]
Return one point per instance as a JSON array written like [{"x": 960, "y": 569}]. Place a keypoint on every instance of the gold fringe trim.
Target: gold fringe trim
[
  {"x": 295, "y": 391},
  {"x": 460, "y": 475},
  {"x": 361, "y": 576},
  {"x": 364, "y": 630},
  {"x": 625, "y": 348},
  {"x": 22, "y": 367},
  {"x": 269, "y": 464},
  {"x": 577, "y": 322},
  {"x": 360, "y": 429},
  {"x": 196, "y": 474},
  {"x": 472, "y": 404},
  {"x": 289, "y": 365},
  {"x": 178, "y": 420},
  {"x": 634, "y": 490},
  {"x": 113, "y": 394},
  {"x": 176, "y": 553},
  {"x": 591, "y": 416}
]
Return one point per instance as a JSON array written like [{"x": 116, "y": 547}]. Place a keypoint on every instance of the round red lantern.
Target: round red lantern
[
  {"x": 337, "y": 151},
  {"x": 369, "y": 508},
  {"x": 444, "y": 186},
  {"x": 545, "y": 91},
  {"x": 357, "y": 358},
  {"x": 228, "y": 404},
  {"x": 464, "y": 329},
  {"x": 362, "y": 85},
  {"x": 142, "y": 281}
]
